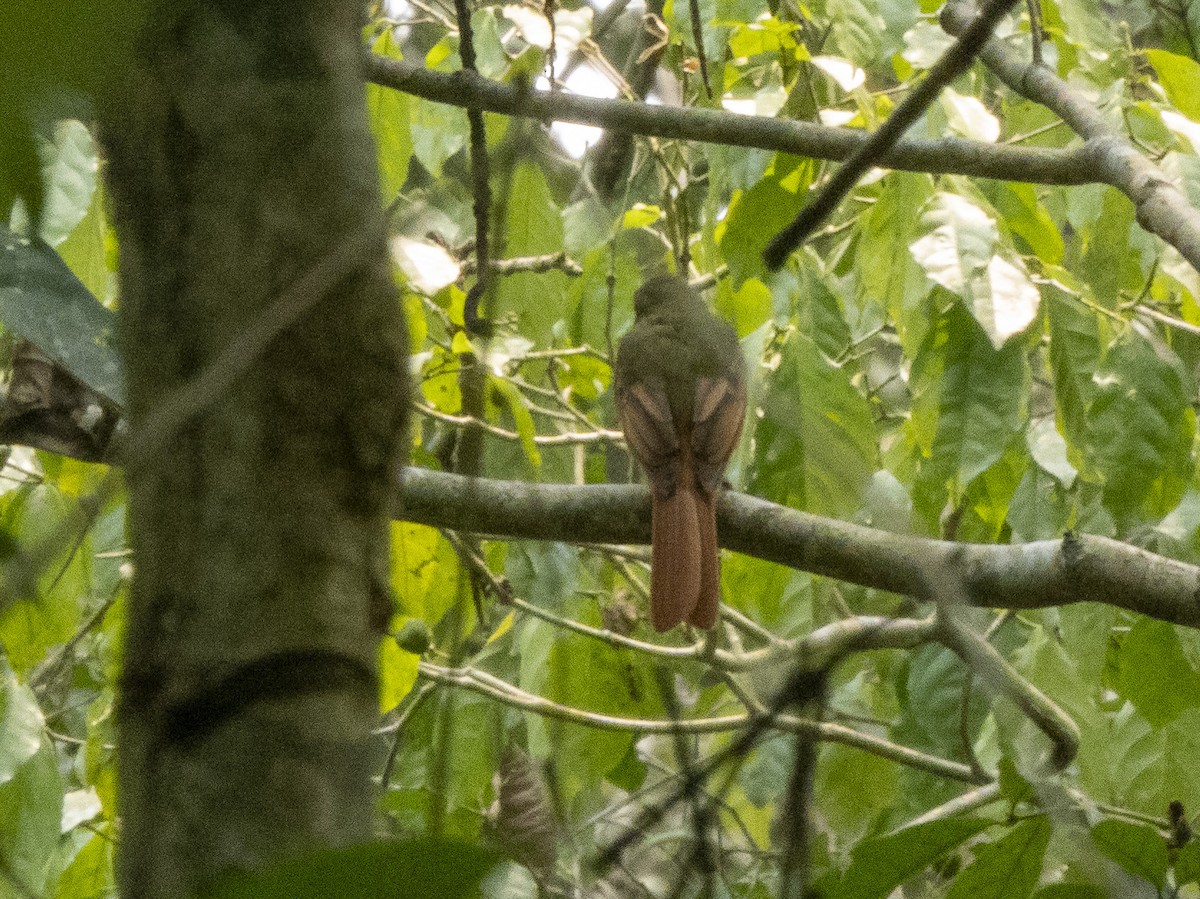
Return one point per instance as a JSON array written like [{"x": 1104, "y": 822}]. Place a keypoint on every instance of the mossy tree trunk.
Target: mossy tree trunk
[{"x": 239, "y": 158}]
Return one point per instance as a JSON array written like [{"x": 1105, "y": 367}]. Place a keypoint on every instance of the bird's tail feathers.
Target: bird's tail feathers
[{"x": 676, "y": 567}]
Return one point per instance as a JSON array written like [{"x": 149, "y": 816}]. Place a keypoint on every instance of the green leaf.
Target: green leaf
[
  {"x": 389, "y": 112},
  {"x": 1180, "y": 78},
  {"x": 1153, "y": 673},
  {"x": 960, "y": 252},
  {"x": 1160, "y": 766},
  {"x": 892, "y": 277},
  {"x": 748, "y": 308},
  {"x": 816, "y": 442},
  {"x": 641, "y": 216},
  {"x": 397, "y": 673},
  {"x": 42, "y": 301},
  {"x": 1075, "y": 350},
  {"x": 1187, "y": 864},
  {"x": 521, "y": 418},
  {"x": 1140, "y": 429},
  {"x": 1107, "y": 260},
  {"x": 21, "y": 723},
  {"x": 86, "y": 249},
  {"x": 585, "y": 674},
  {"x": 1071, "y": 891},
  {"x": 417, "y": 868},
  {"x": 534, "y": 227},
  {"x": 970, "y": 400},
  {"x": 1027, "y": 218},
  {"x": 767, "y": 771},
  {"x": 881, "y": 864},
  {"x": 854, "y": 790},
  {"x": 1013, "y": 786},
  {"x": 759, "y": 213},
  {"x": 929, "y": 689},
  {"x": 90, "y": 873},
  {"x": 1049, "y": 450},
  {"x": 69, "y": 166},
  {"x": 1008, "y": 868},
  {"x": 437, "y": 132},
  {"x": 30, "y": 823},
  {"x": 1139, "y": 849}
]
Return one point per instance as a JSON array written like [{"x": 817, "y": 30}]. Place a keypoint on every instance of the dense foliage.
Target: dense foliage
[{"x": 974, "y": 359}]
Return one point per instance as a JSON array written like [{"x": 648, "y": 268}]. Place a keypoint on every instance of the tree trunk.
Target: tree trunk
[{"x": 239, "y": 159}]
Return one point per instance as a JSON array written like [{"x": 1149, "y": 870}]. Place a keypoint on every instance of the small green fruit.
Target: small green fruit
[{"x": 414, "y": 637}]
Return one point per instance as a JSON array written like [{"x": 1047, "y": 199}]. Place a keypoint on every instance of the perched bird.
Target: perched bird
[{"x": 681, "y": 397}]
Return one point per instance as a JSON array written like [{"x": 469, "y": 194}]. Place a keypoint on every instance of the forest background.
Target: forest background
[{"x": 959, "y": 654}]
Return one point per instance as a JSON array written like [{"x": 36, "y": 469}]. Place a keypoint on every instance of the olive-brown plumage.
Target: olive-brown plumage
[{"x": 681, "y": 398}]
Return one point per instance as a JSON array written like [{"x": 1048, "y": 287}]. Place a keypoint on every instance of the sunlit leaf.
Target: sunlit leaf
[
  {"x": 1180, "y": 77},
  {"x": 389, "y": 111}
]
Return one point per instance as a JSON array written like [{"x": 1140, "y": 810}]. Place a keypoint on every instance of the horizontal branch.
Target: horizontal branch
[
  {"x": 949, "y": 155},
  {"x": 1077, "y": 568},
  {"x": 489, "y": 685}
]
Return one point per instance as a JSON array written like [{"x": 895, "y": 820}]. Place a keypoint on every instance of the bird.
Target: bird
[{"x": 680, "y": 391}]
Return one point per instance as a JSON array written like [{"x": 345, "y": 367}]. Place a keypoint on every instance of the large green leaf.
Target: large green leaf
[
  {"x": 42, "y": 301},
  {"x": 960, "y": 251},
  {"x": 890, "y": 275},
  {"x": 881, "y": 864},
  {"x": 1106, "y": 261},
  {"x": 929, "y": 688},
  {"x": 970, "y": 402},
  {"x": 1139, "y": 849},
  {"x": 1159, "y": 767},
  {"x": 21, "y": 724},
  {"x": 389, "y": 112},
  {"x": 30, "y": 821},
  {"x": 816, "y": 442},
  {"x": 534, "y": 227},
  {"x": 1180, "y": 78},
  {"x": 69, "y": 167},
  {"x": 1008, "y": 868},
  {"x": 1140, "y": 429},
  {"x": 757, "y": 214},
  {"x": 1028, "y": 219},
  {"x": 1153, "y": 673},
  {"x": 1076, "y": 335}
]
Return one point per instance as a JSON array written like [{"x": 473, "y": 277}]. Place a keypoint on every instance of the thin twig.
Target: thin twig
[{"x": 953, "y": 63}]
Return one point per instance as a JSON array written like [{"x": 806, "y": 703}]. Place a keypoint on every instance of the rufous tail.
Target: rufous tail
[
  {"x": 704, "y": 615},
  {"x": 675, "y": 566}
]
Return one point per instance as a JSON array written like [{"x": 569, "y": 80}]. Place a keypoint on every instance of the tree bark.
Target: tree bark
[{"x": 239, "y": 159}]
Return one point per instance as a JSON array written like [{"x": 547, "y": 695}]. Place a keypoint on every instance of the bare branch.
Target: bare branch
[
  {"x": 949, "y": 155},
  {"x": 489, "y": 685},
  {"x": 1077, "y": 568}
]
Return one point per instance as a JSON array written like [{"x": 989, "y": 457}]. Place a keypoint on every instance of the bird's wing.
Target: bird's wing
[
  {"x": 719, "y": 412},
  {"x": 645, "y": 414}
]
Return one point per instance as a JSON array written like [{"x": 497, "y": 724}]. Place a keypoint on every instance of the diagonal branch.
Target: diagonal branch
[
  {"x": 953, "y": 63},
  {"x": 1077, "y": 568},
  {"x": 1161, "y": 207}
]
